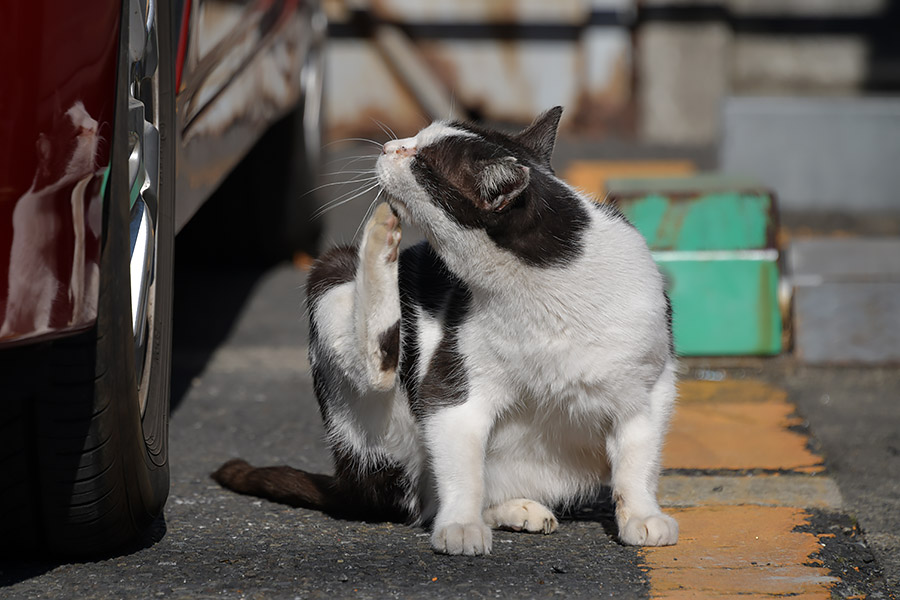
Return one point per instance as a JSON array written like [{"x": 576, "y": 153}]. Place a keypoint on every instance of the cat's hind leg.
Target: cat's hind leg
[
  {"x": 521, "y": 514},
  {"x": 354, "y": 311},
  {"x": 378, "y": 297},
  {"x": 354, "y": 304}
]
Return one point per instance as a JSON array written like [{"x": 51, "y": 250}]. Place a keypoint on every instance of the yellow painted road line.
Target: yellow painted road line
[
  {"x": 738, "y": 528},
  {"x": 726, "y": 551},
  {"x": 736, "y": 426},
  {"x": 804, "y": 491},
  {"x": 591, "y": 175}
]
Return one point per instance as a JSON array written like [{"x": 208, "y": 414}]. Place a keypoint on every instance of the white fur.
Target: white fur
[
  {"x": 570, "y": 382},
  {"x": 499, "y": 173},
  {"x": 521, "y": 514},
  {"x": 377, "y": 296},
  {"x": 374, "y": 424},
  {"x": 429, "y": 337}
]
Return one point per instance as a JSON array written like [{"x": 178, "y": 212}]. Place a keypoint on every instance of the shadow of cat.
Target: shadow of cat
[{"x": 598, "y": 509}]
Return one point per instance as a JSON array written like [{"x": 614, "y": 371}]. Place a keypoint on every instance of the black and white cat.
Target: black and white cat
[{"x": 514, "y": 362}]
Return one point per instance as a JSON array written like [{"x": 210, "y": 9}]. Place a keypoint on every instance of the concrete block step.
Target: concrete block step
[
  {"x": 817, "y": 153},
  {"x": 846, "y": 300},
  {"x": 851, "y": 259}
]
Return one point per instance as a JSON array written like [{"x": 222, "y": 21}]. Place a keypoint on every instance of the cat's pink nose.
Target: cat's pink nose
[{"x": 400, "y": 147}]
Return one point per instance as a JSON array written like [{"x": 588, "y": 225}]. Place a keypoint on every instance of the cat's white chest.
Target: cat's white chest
[{"x": 531, "y": 355}]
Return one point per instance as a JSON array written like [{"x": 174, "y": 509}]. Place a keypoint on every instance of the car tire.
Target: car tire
[{"x": 83, "y": 443}]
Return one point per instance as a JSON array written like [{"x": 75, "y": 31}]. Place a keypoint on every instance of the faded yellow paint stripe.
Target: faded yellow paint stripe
[
  {"x": 737, "y": 531},
  {"x": 729, "y": 390},
  {"x": 726, "y": 551},
  {"x": 736, "y": 426},
  {"x": 799, "y": 491},
  {"x": 592, "y": 175}
]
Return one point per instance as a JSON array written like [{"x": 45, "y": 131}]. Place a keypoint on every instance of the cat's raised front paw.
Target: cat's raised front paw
[
  {"x": 383, "y": 234},
  {"x": 655, "y": 530},
  {"x": 470, "y": 539},
  {"x": 522, "y": 515}
]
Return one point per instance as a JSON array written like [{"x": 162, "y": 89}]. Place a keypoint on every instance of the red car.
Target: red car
[{"x": 117, "y": 121}]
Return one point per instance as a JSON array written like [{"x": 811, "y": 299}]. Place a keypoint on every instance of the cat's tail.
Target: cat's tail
[
  {"x": 282, "y": 484},
  {"x": 300, "y": 489}
]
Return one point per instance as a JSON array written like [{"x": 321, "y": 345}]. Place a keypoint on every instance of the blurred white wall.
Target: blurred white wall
[
  {"x": 501, "y": 60},
  {"x": 659, "y": 70}
]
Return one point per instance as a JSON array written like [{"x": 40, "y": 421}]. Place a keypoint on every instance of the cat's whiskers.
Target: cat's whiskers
[
  {"x": 343, "y": 199},
  {"x": 354, "y": 139},
  {"x": 339, "y": 200},
  {"x": 349, "y": 157},
  {"x": 349, "y": 160},
  {"x": 383, "y": 126},
  {"x": 366, "y": 178},
  {"x": 345, "y": 168},
  {"x": 349, "y": 172},
  {"x": 363, "y": 180}
]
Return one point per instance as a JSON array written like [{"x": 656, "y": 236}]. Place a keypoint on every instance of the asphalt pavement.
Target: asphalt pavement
[{"x": 242, "y": 388}]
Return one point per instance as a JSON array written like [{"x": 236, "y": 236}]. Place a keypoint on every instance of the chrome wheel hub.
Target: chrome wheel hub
[{"x": 143, "y": 175}]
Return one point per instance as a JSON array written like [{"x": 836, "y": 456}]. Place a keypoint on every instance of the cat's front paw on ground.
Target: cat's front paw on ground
[
  {"x": 522, "y": 515},
  {"x": 471, "y": 539},
  {"x": 382, "y": 236},
  {"x": 654, "y": 530}
]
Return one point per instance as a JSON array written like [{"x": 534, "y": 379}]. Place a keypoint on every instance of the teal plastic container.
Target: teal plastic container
[{"x": 713, "y": 237}]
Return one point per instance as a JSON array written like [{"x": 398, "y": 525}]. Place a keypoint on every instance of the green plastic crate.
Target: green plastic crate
[{"x": 714, "y": 239}]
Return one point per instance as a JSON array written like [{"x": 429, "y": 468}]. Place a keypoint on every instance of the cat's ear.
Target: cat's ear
[
  {"x": 540, "y": 136},
  {"x": 500, "y": 181}
]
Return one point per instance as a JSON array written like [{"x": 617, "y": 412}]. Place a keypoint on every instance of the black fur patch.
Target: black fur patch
[
  {"x": 427, "y": 285},
  {"x": 389, "y": 343},
  {"x": 378, "y": 493},
  {"x": 446, "y": 383},
  {"x": 669, "y": 323},
  {"x": 425, "y": 280},
  {"x": 543, "y": 225},
  {"x": 335, "y": 267},
  {"x": 612, "y": 210},
  {"x": 540, "y": 136}
]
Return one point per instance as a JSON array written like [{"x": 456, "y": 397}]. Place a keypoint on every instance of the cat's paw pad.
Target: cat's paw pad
[
  {"x": 655, "y": 530},
  {"x": 470, "y": 539},
  {"x": 383, "y": 234},
  {"x": 522, "y": 515}
]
